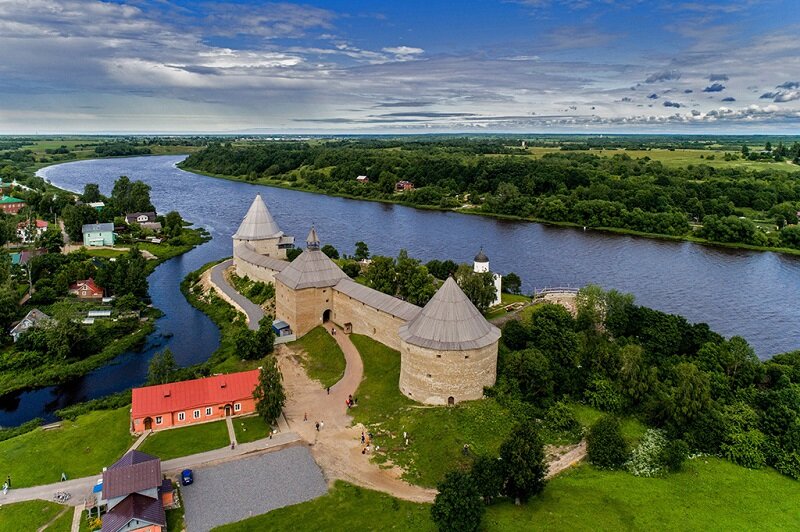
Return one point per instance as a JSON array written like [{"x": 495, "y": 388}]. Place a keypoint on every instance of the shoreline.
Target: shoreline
[{"x": 511, "y": 218}]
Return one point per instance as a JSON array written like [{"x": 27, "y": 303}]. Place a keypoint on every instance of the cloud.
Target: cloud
[
  {"x": 688, "y": 91},
  {"x": 715, "y": 87},
  {"x": 666, "y": 75},
  {"x": 626, "y": 99},
  {"x": 405, "y": 52},
  {"x": 718, "y": 77},
  {"x": 406, "y": 103},
  {"x": 787, "y": 96},
  {"x": 768, "y": 95},
  {"x": 653, "y": 96},
  {"x": 668, "y": 103},
  {"x": 789, "y": 85},
  {"x": 729, "y": 99}
]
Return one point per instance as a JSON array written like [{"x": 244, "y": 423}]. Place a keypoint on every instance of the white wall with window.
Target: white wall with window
[
  {"x": 208, "y": 411},
  {"x": 237, "y": 407},
  {"x": 181, "y": 416}
]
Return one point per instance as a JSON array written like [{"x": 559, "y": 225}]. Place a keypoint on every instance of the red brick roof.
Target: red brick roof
[
  {"x": 136, "y": 471},
  {"x": 197, "y": 393}
]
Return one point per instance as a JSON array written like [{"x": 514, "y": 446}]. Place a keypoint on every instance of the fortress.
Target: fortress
[{"x": 448, "y": 350}]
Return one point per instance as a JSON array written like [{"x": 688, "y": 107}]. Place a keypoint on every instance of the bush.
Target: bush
[
  {"x": 606, "y": 448},
  {"x": 604, "y": 395},
  {"x": 560, "y": 419},
  {"x": 746, "y": 448},
  {"x": 647, "y": 458},
  {"x": 674, "y": 455}
]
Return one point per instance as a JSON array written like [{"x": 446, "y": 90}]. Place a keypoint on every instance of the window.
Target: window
[
  {"x": 208, "y": 411},
  {"x": 181, "y": 416},
  {"x": 196, "y": 414},
  {"x": 237, "y": 407},
  {"x": 466, "y": 357},
  {"x": 158, "y": 420}
]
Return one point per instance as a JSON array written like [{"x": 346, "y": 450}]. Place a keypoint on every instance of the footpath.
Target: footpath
[{"x": 253, "y": 312}]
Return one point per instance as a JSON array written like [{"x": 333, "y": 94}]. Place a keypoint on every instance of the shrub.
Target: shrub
[
  {"x": 604, "y": 395},
  {"x": 787, "y": 463},
  {"x": 646, "y": 458},
  {"x": 560, "y": 419},
  {"x": 674, "y": 455},
  {"x": 606, "y": 448},
  {"x": 745, "y": 448}
]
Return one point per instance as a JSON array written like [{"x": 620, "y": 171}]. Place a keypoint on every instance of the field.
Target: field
[
  {"x": 79, "y": 448},
  {"x": 250, "y": 428},
  {"x": 323, "y": 358},
  {"x": 32, "y": 515},
  {"x": 710, "y": 494},
  {"x": 679, "y": 157},
  {"x": 193, "y": 439}
]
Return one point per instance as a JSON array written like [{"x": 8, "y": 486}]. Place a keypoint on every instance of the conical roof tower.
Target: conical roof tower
[
  {"x": 258, "y": 223},
  {"x": 312, "y": 268},
  {"x": 450, "y": 322}
]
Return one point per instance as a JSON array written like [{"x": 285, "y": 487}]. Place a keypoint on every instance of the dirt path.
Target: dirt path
[{"x": 337, "y": 445}]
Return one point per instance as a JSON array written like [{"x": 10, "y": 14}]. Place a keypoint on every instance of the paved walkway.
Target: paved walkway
[
  {"x": 81, "y": 487},
  {"x": 140, "y": 440},
  {"x": 253, "y": 312},
  {"x": 76, "y": 519},
  {"x": 231, "y": 432}
]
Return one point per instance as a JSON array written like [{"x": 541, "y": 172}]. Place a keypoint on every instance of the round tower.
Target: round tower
[{"x": 448, "y": 352}]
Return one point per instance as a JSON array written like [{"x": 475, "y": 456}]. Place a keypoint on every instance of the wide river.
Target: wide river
[{"x": 751, "y": 294}]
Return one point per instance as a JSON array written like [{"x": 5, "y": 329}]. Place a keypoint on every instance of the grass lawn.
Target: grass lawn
[
  {"x": 323, "y": 359},
  {"x": 63, "y": 523},
  {"x": 107, "y": 253},
  {"x": 31, "y": 515},
  {"x": 79, "y": 448},
  {"x": 436, "y": 434},
  {"x": 710, "y": 494},
  {"x": 193, "y": 439},
  {"x": 345, "y": 507},
  {"x": 250, "y": 428},
  {"x": 632, "y": 429}
]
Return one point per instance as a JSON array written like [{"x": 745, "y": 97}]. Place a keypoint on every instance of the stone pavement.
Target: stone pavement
[{"x": 253, "y": 312}]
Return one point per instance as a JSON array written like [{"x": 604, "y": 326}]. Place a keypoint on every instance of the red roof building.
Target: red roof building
[
  {"x": 86, "y": 289},
  {"x": 195, "y": 401}
]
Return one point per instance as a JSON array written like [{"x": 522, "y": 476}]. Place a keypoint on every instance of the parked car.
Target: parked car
[{"x": 187, "y": 477}]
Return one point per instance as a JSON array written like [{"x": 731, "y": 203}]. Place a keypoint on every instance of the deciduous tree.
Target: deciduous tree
[{"x": 269, "y": 394}]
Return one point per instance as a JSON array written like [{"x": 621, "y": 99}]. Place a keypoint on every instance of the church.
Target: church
[{"x": 448, "y": 350}]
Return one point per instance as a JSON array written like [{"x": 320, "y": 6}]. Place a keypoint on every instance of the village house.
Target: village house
[
  {"x": 86, "y": 290},
  {"x": 28, "y": 232},
  {"x": 21, "y": 258},
  {"x": 404, "y": 186},
  {"x": 97, "y": 205},
  {"x": 31, "y": 319},
  {"x": 134, "y": 493},
  {"x": 145, "y": 219},
  {"x": 362, "y": 179},
  {"x": 11, "y": 205},
  {"x": 98, "y": 234},
  {"x": 195, "y": 401}
]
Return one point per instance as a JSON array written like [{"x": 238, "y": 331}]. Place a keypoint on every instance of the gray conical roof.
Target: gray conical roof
[
  {"x": 481, "y": 257},
  {"x": 312, "y": 268},
  {"x": 258, "y": 223},
  {"x": 312, "y": 240},
  {"x": 450, "y": 322}
]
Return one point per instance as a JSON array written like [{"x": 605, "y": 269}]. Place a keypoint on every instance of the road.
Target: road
[{"x": 253, "y": 312}]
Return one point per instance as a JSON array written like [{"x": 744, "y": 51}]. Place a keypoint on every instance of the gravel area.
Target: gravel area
[{"x": 236, "y": 490}]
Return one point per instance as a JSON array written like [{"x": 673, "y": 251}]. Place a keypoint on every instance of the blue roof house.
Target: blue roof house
[{"x": 98, "y": 235}]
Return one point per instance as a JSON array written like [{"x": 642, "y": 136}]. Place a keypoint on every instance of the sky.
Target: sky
[{"x": 405, "y": 66}]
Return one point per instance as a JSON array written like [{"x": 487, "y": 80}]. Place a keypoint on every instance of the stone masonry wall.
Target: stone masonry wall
[
  {"x": 267, "y": 247},
  {"x": 302, "y": 309},
  {"x": 431, "y": 377},
  {"x": 366, "y": 320},
  {"x": 253, "y": 271}
]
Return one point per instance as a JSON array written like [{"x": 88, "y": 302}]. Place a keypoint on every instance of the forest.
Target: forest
[{"x": 737, "y": 204}]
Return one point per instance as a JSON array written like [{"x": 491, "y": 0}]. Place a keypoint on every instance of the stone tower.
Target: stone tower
[
  {"x": 261, "y": 233},
  {"x": 448, "y": 352}
]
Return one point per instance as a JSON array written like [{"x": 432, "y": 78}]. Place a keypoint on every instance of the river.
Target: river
[{"x": 751, "y": 294}]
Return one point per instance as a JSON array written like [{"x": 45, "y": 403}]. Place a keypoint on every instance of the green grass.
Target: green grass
[
  {"x": 63, "y": 523},
  {"x": 193, "y": 439},
  {"x": 79, "y": 448},
  {"x": 632, "y": 429},
  {"x": 323, "y": 359},
  {"x": 436, "y": 434},
  {"x": 710, "y": 494},
  {"x": 31, "y": 515},
  {"x": 345, "y": 507},
  {"x": 250, "y": 428},
  {"x": 108, "y": 253},
  {"x": 175, "y": 516}
]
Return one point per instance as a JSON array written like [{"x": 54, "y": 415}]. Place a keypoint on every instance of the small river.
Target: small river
[{"x": 751, "y": 294}]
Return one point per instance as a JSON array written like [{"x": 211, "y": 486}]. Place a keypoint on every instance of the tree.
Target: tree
[
  {"x": 487, "y": 472},
  {"x": 129, "y": 274},
  {"x": 162, "y": 367},
  {"x": 91, "y": 193},
  {"x": 605, "y": 446},
  {"x": 690, "y": 394},
  {"x": 293, "y": 253},
  {"x": 8, "y": 306},
  {"x": 362, "y": 251},
  {"x": 458, "y": 506},
  {"x": 247, "y": 345},
  {"x": 269, "y": 394},
  {"x": 173, "y": 224},
  {"x": 330, "y": 251},
  {"x": 265, "y": 336},
  {"x": 352, "y": 269},
  {"x": 524, "y": 463},
  {"x": 515, "y": 335},
  {"x": 75, "y": 217},
  {"x": 478, "y": 287},
  {"x": 414, "y": 283},
  {"x": 512, "y": 284},
  {"x": 51, "y": 240},
  {"x": 382, "y": 275}
]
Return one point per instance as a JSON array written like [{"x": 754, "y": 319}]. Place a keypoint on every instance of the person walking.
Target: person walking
[
  {"x": 321, "y": 425},
  {"x": 317, "y": 426},
  {"x": 8, "y": 480},
  {"x": 305, "y": 416},
  {"x": 5, "y": 488},
  {"x": 363, "y": 439},
  {"x": 329, "y": 390}
]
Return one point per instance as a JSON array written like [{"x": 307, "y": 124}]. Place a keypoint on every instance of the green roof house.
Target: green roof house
[
  {"x": 98, "y": 235},
  {"x": 10, "y": 204}
]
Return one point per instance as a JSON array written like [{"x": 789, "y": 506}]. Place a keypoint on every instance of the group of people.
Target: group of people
[{"x": 350, "y": 401}]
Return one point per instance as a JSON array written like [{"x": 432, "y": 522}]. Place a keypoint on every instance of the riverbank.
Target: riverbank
[{"x": 474, "y": 212}]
